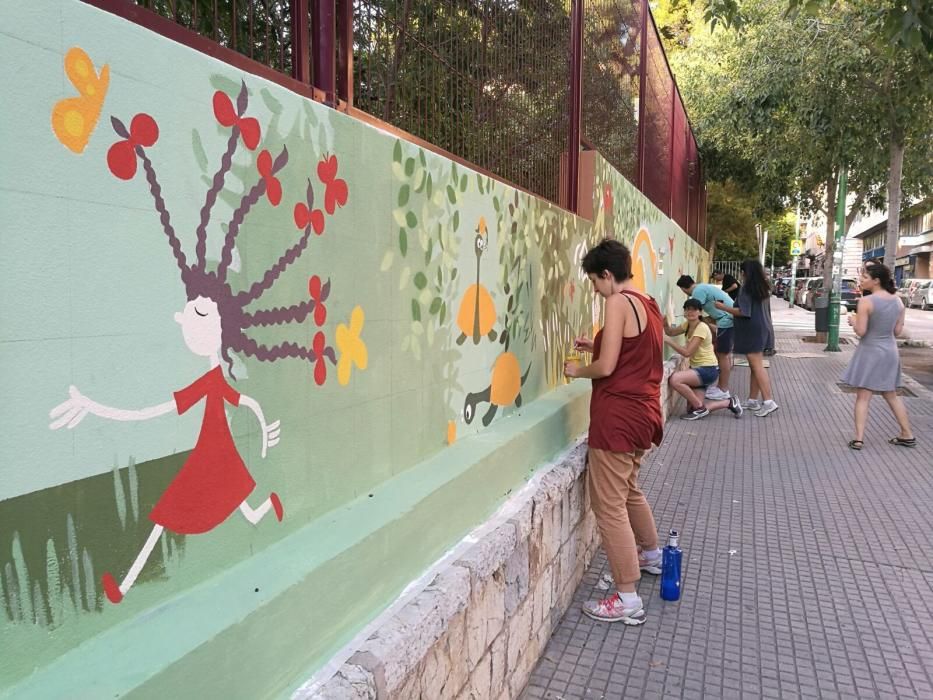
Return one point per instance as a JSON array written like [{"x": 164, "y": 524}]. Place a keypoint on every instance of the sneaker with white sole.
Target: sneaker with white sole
[
  {"x": 650, "y": 565},
  {"x": 767, "y": 408},
  {"x": 647, "y": 564},
  {"x": 735, "y": 407},
  {"x": 751, "y": 404},
  {"x": 696, "y": 414},
  {"x": 612, "y": 609},
  {"x": 714, "y": 393}
]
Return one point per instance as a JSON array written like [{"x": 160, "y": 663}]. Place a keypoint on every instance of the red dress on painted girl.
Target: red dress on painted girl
[{"x": 214, "y": 480}]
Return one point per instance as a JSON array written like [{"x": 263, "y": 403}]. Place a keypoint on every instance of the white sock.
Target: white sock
[
  {"x": 629, "y": 600},
  {"x": 651, "y": 553}
]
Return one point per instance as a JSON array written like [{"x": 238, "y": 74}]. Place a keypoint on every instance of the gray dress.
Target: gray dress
[{"x": 876, "y": 364}]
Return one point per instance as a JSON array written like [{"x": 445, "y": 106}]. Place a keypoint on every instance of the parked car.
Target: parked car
[
  {"x": 791, "y": 292},
  {"x": 801, "y": 292},
  {"x": 849, "y": 290},
  {"x": 906, "y": 290},
  {"x": 813, "y": 285},
  {"x": 922, "y": 295}
]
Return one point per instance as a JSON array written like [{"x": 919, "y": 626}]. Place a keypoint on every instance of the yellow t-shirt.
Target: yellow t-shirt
[{"x": 704, "y": 356}]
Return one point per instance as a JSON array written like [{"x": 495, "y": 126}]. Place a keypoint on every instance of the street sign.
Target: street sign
[{"x": 796, "y": 247}]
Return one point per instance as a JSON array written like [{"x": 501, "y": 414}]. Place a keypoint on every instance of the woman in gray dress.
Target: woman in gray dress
[{"x": 876, "y": 365}]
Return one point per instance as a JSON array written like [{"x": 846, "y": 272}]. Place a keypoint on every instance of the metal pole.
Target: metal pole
[
  {"x": 345, "y": 51},
  {"x": 835, "y": 296},
  {"x": 301, "y": 59},
  {"x": 324, "y": 30},
  {"x": 576, "y": 102},
  {"x": 642, "y": 92}
]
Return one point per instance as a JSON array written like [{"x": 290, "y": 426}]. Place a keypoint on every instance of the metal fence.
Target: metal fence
[
  {"x": 485, "y": 81},
  {"x": 512, "y": 87}
]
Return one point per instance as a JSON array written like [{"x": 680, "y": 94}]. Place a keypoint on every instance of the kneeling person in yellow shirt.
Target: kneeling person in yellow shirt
[{"x": 704, "y": 367}]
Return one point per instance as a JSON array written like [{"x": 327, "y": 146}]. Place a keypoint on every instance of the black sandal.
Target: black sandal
[
  {"x": 903, "y": 442},
  {"x": 856, "y": 444}
]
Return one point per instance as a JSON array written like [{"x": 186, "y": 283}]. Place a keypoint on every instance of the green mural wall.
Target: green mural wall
[{"x": 389, "y": 329}]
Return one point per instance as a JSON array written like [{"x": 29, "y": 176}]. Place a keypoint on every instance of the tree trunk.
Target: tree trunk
[{"x": 894, "y": 200}]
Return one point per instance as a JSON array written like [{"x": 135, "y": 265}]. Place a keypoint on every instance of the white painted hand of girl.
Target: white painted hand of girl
[
  {"x": 270, "y": 436},
  {"x": 70, "y": 412},
  {"x": 583, "y": 343}
]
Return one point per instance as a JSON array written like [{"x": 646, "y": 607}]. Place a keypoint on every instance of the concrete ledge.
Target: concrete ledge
[{"x": 478, "y": 629}]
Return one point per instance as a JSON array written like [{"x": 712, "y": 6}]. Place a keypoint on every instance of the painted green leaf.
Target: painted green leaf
[
  {"x": 403, "y": 195},
  {"x": 453, "y": 274},
  {"x": 430, "y": 186},
  {"x": 273, "y": 104},
  {"x": 436, "y": 305},
  {"x": 443, "y": 310},
  {"x": 409, "y": 166},
  {"x": 463, "y": 183},
  {"x": 424, "y": 161},
  {"x": 451, "y": 194},
  {"x": 403, "y": 241},
  {"x": 429, "y": 252},
  {"x": 415, "y": 310},
  {"x": 456, "y": 220},
  {"x": 411, "y": 220},
  {"x": 386, "y": 261},
  {"x": 440, "y": 278},
  {"x": 397, "y": 152},
  {"x": 199, "y": 155},
  {"x": 420, "y": 280}
]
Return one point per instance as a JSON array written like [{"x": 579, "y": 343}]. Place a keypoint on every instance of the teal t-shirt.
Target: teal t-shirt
[{"x": 708, "y": 295}]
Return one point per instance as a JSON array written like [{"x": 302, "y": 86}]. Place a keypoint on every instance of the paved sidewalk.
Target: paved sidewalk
[{"x": 808, "y": 568}]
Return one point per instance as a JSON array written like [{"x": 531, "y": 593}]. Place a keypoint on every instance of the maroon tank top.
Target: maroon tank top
[{"x": 625, "y": 409}]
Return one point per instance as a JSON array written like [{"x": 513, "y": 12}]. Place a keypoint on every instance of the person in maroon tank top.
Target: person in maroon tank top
[{"x": 625, "y": 420}]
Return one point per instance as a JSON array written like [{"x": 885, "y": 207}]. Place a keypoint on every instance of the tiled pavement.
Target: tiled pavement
[{"x": 808, "y": 568}]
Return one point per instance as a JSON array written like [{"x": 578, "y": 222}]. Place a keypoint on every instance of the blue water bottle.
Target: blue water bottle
[{"x": 671, "y": 557}]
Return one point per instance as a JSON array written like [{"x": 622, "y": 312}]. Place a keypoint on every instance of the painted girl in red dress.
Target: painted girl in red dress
[{"x": 214, "y": 482}]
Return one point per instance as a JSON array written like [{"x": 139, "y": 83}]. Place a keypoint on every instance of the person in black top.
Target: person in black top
[{"x": 730, "y": 285}]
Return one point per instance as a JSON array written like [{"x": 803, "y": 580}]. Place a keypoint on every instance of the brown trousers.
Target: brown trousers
[{"x": 622, "y": 512}]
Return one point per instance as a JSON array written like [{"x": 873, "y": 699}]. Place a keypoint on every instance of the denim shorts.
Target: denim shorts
[{"x": 707, "y": 375}]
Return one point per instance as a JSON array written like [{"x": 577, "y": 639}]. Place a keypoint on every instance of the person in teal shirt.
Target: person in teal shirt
[{"x": 708, "y": 295}]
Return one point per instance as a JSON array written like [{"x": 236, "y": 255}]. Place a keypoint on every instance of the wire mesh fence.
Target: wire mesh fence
[
  {"x": 485, "y": 80},
  {"x": 260, "y": 30}
]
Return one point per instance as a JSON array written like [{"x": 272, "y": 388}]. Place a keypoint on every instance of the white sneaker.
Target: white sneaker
[
  {"x": 612, "y": 609},
  {"x": 714, "y": 393},
  {"x": 751, "y": 404},
  {"x": 767, "y": 408}
]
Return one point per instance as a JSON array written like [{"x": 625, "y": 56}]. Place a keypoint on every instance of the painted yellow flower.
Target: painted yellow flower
[{"x": 351, "y": 347}]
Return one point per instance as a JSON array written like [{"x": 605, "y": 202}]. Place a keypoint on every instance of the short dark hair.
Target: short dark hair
[
  {"x": 610, "y": 256},
  {"x": 685, "y": 281},
  {"x": 692, "y": 303}
]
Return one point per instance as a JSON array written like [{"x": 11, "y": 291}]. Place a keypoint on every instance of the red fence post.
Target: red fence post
[
  {"x": 301, "y": 58},
  {"x": 324, "y": 30},
  {"x": 575, "y": 103},
  {"x": 642, "y": 96},
  {"x": 345, "y": 51}
]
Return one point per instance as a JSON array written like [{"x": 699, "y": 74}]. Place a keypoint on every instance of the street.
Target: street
[{"x": 808, "y": 568}]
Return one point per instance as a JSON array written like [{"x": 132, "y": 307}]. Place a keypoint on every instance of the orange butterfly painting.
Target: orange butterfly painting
[{"x": 75, "y": 118}]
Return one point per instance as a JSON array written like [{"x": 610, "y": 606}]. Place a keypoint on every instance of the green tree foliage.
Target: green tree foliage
[{"x": 786, "y": 103}]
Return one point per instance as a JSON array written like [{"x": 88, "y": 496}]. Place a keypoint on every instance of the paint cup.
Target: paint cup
[{"x": 572, "y": 357}]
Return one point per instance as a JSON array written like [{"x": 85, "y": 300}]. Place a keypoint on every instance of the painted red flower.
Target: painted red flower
[
  {"x": 304, "y": 218},
  {"x": 227, "y": 116},
  {"x": 607, "y": 198},
  {"x": 273, "y": 186},
  {"x": 335, "y": 189},
  {"x": 319, "y": 294},
  {"x": 121, "y": 158},
  {"x": 319, "y": 346}
]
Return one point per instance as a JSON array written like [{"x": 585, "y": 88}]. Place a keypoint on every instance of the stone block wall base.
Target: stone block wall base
[{"x": 478, "y": 630}]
